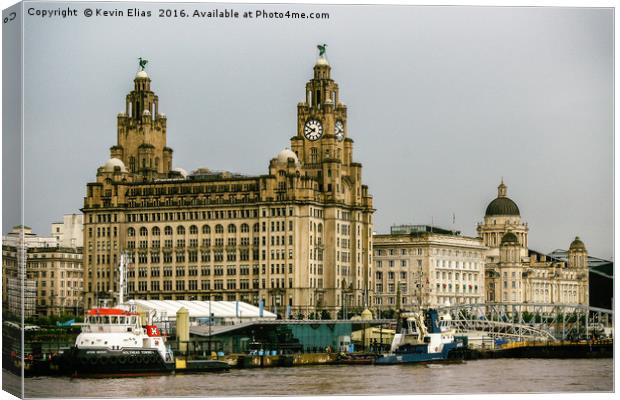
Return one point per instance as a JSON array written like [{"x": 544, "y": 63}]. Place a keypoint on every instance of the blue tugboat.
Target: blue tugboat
[{"x": 422, "y": 338}]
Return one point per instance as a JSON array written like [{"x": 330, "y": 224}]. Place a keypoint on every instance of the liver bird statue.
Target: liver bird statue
[{"x": 143, "y": 63}]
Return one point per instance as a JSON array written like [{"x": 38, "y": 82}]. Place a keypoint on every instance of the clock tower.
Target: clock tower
[
  {"x": 322, "y": 143},
  {"x": 340, "y": 212}
]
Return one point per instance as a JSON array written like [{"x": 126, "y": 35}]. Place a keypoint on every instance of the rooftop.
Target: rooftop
[{"x": 416, "y": 229}]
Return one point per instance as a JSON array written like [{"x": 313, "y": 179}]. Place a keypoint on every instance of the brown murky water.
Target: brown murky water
[{"x": 481, "y": 376}]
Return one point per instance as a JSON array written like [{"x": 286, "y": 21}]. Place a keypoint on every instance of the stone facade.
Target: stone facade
[
  {"x": 53, "y": 278},
  {"x": 516, "y": 274},
  {"x": 299, "y": 235},
  {"x": 428, "y": 268}
]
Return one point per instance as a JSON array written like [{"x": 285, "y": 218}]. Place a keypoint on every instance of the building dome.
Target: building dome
[
  {"x": 366, "y": 314},
  {"x": 112, "y": 163},
  {"x": 142, "y": 75},
  {"x": 502, "y": 205},
  {"x": 180, "y": 171},
  {"x": 510, "y": 238},
  {"x": 577, "y": 244},
  {"x": 322, "y": 61},
  {"x": 284, "y": 156}
]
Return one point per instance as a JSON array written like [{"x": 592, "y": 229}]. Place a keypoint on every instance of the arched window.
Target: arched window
[
  {"x": 232, "y": 228},
  {"x": 219, "y": 228},
  {"x": 320, "y": 228},
  {"x": 180, "y": 230},
  {"x": 144, "y": 231},
  {"x": 132, "y": 163},
  {"x": 245, "y": 228},
  {"x": 131, "y": 232},
  {"x": 206, "y": 229},
  {"x": 168, "y": 231},
  {"x": 155, "y": 231},
  {"x": 193, "y": 230},
  {"x": 256, "y": 228}
]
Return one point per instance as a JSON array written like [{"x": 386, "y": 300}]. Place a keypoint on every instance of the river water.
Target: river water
[{"x": 478, "y": 376}]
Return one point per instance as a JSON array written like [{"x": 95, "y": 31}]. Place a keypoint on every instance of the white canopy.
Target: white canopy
[{"x": 222, "y": 310}]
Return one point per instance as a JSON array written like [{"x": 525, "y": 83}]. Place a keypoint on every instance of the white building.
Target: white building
[
  {"x": 30, "y": 239},
  {"x": 69, "y": 232},
  {"x": 428, "y": 266}
]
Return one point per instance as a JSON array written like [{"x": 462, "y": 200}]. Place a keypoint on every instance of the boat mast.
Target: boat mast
[{"x": 122, "y": 277}]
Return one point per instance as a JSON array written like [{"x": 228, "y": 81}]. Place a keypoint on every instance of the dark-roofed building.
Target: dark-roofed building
[
  {"x": 601, "y": 279},
  {"x": 516, "y": 274}
]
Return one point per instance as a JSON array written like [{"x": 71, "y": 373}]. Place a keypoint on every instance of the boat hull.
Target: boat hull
[
  {"x": 418, "y": 357},
  {"x": 79, "y": 362}
]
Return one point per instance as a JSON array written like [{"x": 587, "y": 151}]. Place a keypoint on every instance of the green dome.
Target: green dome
[
  {"x": 577, "y": 244},
  {"x": 510, "y": 238},
  {"x": 502, "y": 206}
]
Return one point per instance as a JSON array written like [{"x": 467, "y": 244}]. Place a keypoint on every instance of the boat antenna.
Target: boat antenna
[{"x": 121, "y": 277}]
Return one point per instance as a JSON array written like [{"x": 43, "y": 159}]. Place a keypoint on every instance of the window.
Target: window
[
  {"x": 206, "y": 229},
  {"x": 193, "y": 230},
  {"x": 219, "y": 228},
  {"x": 168, "y": 231},
  {"x": 180, "y": 230},
  {"x": 131, "y": 232}
]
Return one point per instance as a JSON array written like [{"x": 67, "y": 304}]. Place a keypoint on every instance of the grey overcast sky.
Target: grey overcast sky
[{"x": 443, "y": 102}]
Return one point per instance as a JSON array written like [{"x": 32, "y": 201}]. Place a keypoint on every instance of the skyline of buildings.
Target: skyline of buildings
[
  {"x": 298, "y": 238},
  {"x": 446, "y": 110},
  {"x": 226, "y": 236}
]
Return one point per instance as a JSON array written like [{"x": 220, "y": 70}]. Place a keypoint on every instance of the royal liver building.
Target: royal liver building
[{"x": 298, "y": 236}]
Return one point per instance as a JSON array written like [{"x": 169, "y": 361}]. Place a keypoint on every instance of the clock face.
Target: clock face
[
  {"x": 313, "y": 130},
  {"x": 339, "y": 131}
]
